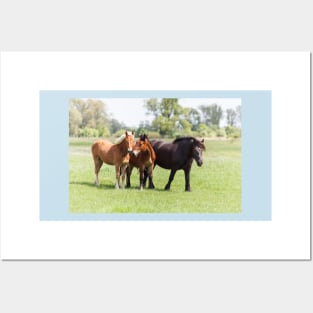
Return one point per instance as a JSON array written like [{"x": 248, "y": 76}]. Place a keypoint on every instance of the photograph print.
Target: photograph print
[{"x": 155, "y": 155}]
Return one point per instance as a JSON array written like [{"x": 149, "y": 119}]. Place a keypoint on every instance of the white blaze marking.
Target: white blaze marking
[{"x": 136, "y": 152}]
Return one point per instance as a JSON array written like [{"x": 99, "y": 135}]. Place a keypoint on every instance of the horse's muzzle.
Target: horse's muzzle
[
  {"x": 134, "y": 152},
  {"x": 199, "y": 163}
]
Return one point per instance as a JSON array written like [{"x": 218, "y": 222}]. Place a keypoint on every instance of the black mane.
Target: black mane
[
  {"x": 197, "y": 142},
  {"x": 143, "y": 137}
]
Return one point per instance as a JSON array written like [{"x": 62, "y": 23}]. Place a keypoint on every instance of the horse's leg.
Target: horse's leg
[
  {"x": 117, "y": 175},
  {"x": 128, "y": 174},
  {"x": 141, "y": 176},
  {"x": 98, "y": 164},
  {"x": 150, "y": 173},
  {"x": 187, "y": 178},
  {"x": 123, "y": 173},
  {"x": 168, "y": 185},
  {"x": 145, "y": 175}
]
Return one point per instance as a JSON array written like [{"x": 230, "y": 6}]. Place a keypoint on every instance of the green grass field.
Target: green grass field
[{"x": 215, "y": 187}]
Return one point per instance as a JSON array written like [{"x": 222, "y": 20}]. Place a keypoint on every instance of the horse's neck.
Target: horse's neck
[
  {"x": 186, "y": 147},
  {"x": 151, "y": 151},
  {"x": 123, "y": 146}
]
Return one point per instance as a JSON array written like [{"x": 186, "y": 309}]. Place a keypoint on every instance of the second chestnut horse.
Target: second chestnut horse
[{"x": 143, "y": 158}]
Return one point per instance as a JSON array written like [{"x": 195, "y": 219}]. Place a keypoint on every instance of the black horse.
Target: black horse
[{"x": 178, "y": 155}]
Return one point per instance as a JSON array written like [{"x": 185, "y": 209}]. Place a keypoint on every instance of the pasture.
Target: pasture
[{"x": 215, "y": 187}]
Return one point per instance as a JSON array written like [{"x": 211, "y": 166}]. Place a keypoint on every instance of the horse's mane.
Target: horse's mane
[
  {"x": 197, "y": 142},
  {"x": 121, "y": 138}
]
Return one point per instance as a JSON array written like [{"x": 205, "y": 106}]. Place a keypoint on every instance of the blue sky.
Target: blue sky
[{"x": 131, "y": 110}]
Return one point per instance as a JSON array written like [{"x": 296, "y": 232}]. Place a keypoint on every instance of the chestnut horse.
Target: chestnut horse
[
  {"x": 143, "y": 158},
  {"x": 113, "y": 154}
]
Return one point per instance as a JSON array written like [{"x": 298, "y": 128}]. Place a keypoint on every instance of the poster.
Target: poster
[{"x": 272, "y": 219}]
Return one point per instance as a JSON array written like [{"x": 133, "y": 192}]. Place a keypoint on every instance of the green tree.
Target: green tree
[
  {"x": 75, "y": 119},
  {"x": 238, "y": 113},
  {"x": 231, "y": 117},
  {"x": 89, "y": 114},
  {"x": 167, "y": 114},
  {"x": 95, "y": 115},
  {"x": 193, "y": 117},
  {"x": 116, "y": 125},
  {"x": 212, "y": 114},
  {"x": 143, "y": 127},
  {"x": 153, "y": 107}
]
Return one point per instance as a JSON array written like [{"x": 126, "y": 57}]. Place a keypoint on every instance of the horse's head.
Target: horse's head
[
  {"x": 140, "y": 145},
  {"x": 198, "y": 147},
  {"x": 129, "y": 137},
  {"x": 143, "y": 137}
]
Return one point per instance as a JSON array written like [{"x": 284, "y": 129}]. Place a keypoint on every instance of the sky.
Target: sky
[{"x": 131, "y": 111}]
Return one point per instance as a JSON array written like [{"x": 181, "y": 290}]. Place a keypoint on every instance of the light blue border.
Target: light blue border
[{"x": 256, "y": 155}]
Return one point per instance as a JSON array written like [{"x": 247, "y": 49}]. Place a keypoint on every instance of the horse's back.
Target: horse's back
[
  {"x": 170, "y": 155},
  {"x": 102, "y": 149},
  {"x": 164, "y": 153},
  {"x": 101, "y": 145}
]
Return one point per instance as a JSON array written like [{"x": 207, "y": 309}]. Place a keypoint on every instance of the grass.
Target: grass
[{"x": 215, "y": 187}]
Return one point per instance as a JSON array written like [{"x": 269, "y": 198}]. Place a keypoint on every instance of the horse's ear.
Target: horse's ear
[
  {"x": 126, "y": 133},
  {"x": 202, "y": 140},
  {"x": 133, "y": 132}
]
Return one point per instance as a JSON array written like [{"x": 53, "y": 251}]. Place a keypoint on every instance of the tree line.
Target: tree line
[{"x": 89, "y": 118}]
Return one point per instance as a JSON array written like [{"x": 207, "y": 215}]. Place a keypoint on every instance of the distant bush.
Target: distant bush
[
  {"x": 183, "y": 132},
  {"x": 88, "y": 132},
  {"x": 220, "y": 133},
  {"x": 203, "y": 130},
  {"x": 232, "y": 132},
  {"x": 153, "y": 135},
  {"x": 119, "y": 133},
  {"x": 104, "y": 132}
]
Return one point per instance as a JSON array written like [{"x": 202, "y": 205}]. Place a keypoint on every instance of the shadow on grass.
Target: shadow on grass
[
  {"x": 136, "y": 187},
  {"x": 93, "y": 185},
  {"x": 110, "y": 186}
]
